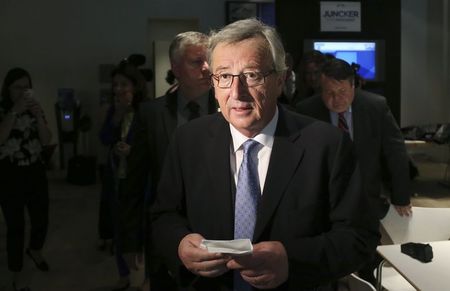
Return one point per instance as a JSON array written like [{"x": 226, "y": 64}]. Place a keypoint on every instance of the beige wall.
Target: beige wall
[{"x": 425, "y": 62}]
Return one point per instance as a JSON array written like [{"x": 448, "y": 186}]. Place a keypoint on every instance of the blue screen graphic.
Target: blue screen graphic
[{"x": 361, "y": 53}]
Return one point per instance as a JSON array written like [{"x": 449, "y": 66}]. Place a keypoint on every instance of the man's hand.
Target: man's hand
[
  {"x": 198, "y": 260},
  {"x": 404, "y": 210},
  {"x": 267, "y": 267}
]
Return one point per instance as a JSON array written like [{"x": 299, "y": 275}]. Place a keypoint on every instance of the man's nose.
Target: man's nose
[
  {"x": 205, "y": 67},
  {"x": 237, "y": 87}
]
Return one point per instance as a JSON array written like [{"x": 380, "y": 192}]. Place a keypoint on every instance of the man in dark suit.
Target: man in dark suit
[
  {"x": 189, "y": 98},
  {"x": 294, "y": 192},
  {"x": 378, "y": 141}
]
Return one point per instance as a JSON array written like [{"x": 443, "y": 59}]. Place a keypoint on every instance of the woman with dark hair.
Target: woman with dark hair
[
  {"x": 117, "y": 132},
  {"x": 309, "y": 70},
  {"x": 23, "y": 133}
]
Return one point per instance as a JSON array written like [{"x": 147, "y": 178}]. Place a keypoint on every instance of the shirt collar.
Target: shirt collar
[{"x": 265, "y": 137}]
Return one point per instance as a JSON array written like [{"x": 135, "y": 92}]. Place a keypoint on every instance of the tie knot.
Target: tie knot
[
  {"x": 249, "y": 145},
  {"x": 342, "y": 122}
]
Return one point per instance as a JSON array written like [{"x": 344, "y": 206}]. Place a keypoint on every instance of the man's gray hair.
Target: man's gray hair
[
  {"x": 181, "y": 40},
  {"x": 247, "y": 29}
]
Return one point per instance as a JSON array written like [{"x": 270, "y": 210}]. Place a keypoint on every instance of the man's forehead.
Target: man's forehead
[{"x": 334, "y": 82}]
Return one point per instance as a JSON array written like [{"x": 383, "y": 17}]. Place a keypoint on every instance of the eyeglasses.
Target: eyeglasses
[{"x": 248, "y": 79}]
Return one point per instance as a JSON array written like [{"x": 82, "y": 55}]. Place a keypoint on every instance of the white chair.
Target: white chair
[{"x": 425, "y": 225}]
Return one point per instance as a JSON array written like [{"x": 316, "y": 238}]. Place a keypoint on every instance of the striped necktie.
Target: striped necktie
[{"x": 342, "y": 122}]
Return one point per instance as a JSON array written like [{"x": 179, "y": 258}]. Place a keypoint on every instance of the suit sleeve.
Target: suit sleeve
[
  {"x": 395, "y": 158},
  {"x": 132, "y": 196},
  {"x": 168, "y": 215},
  {"x": 352, "y": 234}
]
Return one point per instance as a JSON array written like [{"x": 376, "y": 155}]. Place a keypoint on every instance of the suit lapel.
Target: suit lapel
[
  {"x": 284, "y": 160},
  {"x": 170, "y": 117},
  {"x": 358, "y": 120},
  {"x": 218, "y": 157},
  {"x": 323, "y": 113},
  {"x": 212, "y": 104}
]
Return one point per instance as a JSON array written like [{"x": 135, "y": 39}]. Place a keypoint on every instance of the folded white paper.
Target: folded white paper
[{"x": 234, "y": 247}]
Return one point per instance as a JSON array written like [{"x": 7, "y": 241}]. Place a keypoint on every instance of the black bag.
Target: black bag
[{"x": 82, "y": 170}]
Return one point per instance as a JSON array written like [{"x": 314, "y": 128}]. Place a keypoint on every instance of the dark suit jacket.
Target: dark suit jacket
[
  {"x": 312, "y": 200},
  {"x": 156, "y": 122},
  {"x": 379, "y": 145}
]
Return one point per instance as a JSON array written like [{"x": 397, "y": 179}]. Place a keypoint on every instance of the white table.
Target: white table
[{"x": 431, "y": 276}]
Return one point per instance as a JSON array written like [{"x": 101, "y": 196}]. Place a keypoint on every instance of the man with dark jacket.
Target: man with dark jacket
[{"x": 189, "y": 98}]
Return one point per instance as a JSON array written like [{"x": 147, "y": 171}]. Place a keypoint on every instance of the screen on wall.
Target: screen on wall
[{"x": 361, "y": 53}]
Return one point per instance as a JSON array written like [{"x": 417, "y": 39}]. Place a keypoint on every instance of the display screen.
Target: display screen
[{"x": 361, "y": 53}]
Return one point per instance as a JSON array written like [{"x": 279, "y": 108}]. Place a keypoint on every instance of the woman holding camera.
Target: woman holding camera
[{"x": 23, "y": 133}]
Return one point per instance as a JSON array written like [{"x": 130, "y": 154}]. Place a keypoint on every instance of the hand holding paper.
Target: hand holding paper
[
  {"x": 198, "y": 260},
  {"x": 267, "y": 267},
  {"x": 231, "y": 247}
]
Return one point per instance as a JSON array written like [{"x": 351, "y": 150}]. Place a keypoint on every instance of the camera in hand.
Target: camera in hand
[{"x": 418, "y": 251}]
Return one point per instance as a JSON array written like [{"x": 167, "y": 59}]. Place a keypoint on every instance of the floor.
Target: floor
[{"x": 76, "y": 264}]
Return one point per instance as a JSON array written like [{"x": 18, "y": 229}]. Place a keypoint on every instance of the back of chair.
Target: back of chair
[{"x": 425, "y": 225}]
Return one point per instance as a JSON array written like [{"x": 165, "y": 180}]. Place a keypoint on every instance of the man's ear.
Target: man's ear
[
  {"x": 281, "y": 78},
  {"x": 175, "y": 69}
]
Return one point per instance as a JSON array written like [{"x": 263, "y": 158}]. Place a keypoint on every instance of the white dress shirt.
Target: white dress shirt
[
  {"x": 348, "y": 118},
  {"x": 261, "y": 158}
]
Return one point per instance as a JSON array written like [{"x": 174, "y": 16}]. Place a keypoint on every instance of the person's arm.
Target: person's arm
[
  {"x": 45, "y": 135},
  {"x": 110, "y": 126},
  {"x": 397, "y": 161},
  {"x": 6, "y": 124},
  {"x": 9, "y": 118},
  {"x": 132, "y": 197},
  {"x": 168, "y": 220},
  {"x": 351, "y": 236}
]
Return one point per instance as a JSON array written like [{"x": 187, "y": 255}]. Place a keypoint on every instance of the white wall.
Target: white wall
[
  {"x": 62, "y": 43},
  {"x": 425, "y": 61}
]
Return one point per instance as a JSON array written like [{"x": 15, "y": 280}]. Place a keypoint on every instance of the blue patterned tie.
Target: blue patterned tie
[{"x": 248, "y": 193}]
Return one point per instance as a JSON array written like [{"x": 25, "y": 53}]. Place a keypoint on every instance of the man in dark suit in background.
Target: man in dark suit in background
[
  {"x": 379, "y": 143},
  {"x": 190, "y": 98},
  {"x": 256, "y": 171}
]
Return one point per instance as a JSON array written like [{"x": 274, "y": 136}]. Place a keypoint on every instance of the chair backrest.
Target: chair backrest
[
  {"x": 355, "y": 283},
  {"x": 425, "y": 225}
]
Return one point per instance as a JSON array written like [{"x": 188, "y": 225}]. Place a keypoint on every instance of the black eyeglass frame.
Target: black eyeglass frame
[{"x": 242, "y": 77}]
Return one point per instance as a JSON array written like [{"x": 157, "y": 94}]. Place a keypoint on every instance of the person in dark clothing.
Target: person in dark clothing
[
  {"x": 117, "y": 132},
  {"x": 378, "y": 141},
  {"x": 188, "y": 98},
  {"x": 23, "y": 133}
]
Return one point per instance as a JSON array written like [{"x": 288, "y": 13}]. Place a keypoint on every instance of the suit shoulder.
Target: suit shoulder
[
  {"x": 201, "y": 126},
  {"x": 308, "y": 103},
  {"x": 310, "y": 126},
  {"x": 152, "y": 105},
  {"x": 370, "y": 97}
]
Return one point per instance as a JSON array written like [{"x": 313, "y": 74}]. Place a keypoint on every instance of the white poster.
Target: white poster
[{"x": 340, "y": 16}]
